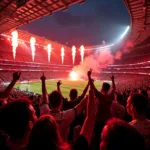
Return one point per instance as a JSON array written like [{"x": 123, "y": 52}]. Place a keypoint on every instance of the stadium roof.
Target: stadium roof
[
  {"x": 139, "y": 11},
  {"x": 14, "y": 13},
  {"x": 41, "y": 41}
]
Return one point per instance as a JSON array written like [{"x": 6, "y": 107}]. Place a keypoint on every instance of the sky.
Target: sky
[{"x": 86, "y": 24}]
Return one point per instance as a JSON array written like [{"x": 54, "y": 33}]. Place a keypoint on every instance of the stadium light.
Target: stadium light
[
  {"x": 124, "y": 33},
  {"x": 100, "y": 47}
]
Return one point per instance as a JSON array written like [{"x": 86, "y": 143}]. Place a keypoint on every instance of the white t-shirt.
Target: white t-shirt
[
  {"x": 117, "y": 110},
  {"x": 64, "y": 119},
  {"x": 44, "y": 109},
  {"x": 143, "y": 127}
]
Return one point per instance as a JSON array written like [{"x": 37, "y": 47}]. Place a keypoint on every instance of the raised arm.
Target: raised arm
[
  {"x": 44, "y": 91},
  {"x": 85, "y": 90},
  {"x": 81, "y": 105},
  {"x": 113, "y": 84},
  {"x": 88, "y": 126},
  {"x": 91, "y": 81},
  {"x": 6, "y": 92},
  {"x": 58, "y": 87}
]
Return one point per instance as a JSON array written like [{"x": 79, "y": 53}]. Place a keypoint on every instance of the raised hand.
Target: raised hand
[
  {"x": 16, "y": 76},
  {"x": 112, "y": 77},
  {"x": 89, "y": 72},
  {"x": 59, "y": 83},
  {"x": 92, "y": 80},
  {"x": 43, "y": 78}
]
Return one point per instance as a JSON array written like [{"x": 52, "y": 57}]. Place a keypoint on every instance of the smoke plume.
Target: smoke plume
[
  {"x": 118, "y": 55},
  {"x": 100, "y": 58}
]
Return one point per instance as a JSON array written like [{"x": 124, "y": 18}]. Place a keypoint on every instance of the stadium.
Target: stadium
[
  {"x": 58, "y": 62},
  {"x": 127, "y": 60}
]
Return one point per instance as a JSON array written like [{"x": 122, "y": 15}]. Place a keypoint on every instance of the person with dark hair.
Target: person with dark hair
[
  {"x": 105, "y": 87},
  {"x": 63, "y": 118},
  {"x": 55, "y": 99},
  {"x": 45, "y": 134},
  {"x": 73, "y": 94},
  {"x": 103, "y": 107},
  {"x": 69, "y": 104},
  {"x": 44, "y": 108},
  {"x": 17, "y": 118},
  {"x": 117, "y": 109},
  {"x": 74, "y": 98},
  {"x": 136, "y": 107},
  {"x": 31, "y": 97},
  {"x": 119, "y": 135}
]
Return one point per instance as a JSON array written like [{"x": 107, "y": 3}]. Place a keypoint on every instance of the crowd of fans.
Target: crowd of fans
[{"x": 114, "y": 118}]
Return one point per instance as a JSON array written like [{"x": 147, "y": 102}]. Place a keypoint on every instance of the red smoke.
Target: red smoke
[{"x": 103, "y": 58}]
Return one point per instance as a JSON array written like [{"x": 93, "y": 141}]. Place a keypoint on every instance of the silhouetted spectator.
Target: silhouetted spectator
[
  {"x": 45, "y": 134},
  {"x": 17, "y": 118},
  {"x": 119, "y": 135},
  {"x": 136, "y": 107},
  {"x": 117, "y": 109}
]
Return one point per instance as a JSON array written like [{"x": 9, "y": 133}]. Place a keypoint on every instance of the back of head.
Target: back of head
[
  {"x": 15, "y": 118},
  {"x": 73, "y": 94},
  {"x": 31, "y": 97},
  {"x": 55, "y": 99},
  {"x": 45, "y": 135},
  {"x": 105, "y": 87},
  {"x": 119, "y": 135},
  {"x": 144, "y": 92},
  {"x": 119, "y": 98},
  {"x": 139, "y": 102}
]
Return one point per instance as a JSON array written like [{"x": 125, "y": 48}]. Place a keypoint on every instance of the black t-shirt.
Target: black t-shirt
[
  {"x": 80, "y": 143},
  {"x": 71, "y": 104}
]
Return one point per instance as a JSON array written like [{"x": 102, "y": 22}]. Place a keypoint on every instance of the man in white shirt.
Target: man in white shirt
[
  {"x": 117, "y": 109},
  {"x": 136, "y": 107},
  {"x": 63, "y": 118}
]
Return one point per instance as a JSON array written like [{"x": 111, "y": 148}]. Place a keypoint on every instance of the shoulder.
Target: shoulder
[
  {"x": 44, "y": 105},
  {"x": 132, "y": 123},
  {"x": 44, "y": 108},
  {"x": 99, "y": 95},
  {"x": 69, "y": 111},
  {"x": 79, "y": 98},
  {"x": 138, "y": 124},
  {"x": 120, "y": 106},
  {"x": 65, "y": 100},
  {"x": 69, "y": 115}
]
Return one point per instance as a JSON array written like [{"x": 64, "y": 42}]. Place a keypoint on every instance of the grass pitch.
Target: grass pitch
[{"x": 52, "y": 85}]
